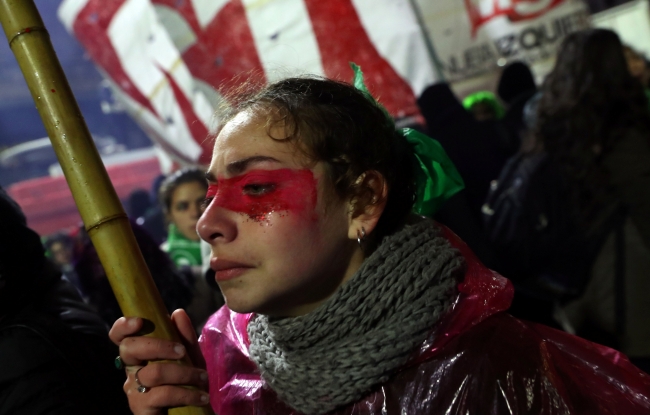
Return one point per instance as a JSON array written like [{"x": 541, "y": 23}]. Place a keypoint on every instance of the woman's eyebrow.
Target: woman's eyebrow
[{"x": 240, "y": 166}]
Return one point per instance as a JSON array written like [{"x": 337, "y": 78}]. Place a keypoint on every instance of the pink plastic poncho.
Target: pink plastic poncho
[{"x": 477, "y": 360}]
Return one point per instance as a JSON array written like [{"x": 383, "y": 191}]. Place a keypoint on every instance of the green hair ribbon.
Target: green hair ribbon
[{"x": 436, "y": 176}]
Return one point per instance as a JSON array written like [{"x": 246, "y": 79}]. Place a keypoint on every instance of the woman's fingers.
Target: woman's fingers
[
  {"x": 186, "y": 329},
  {"x": 158, "y": 385},
  {"x": 160, "y": 398},
  {"x": 124, "y": 327},
  {"x": 159, "y": 380},
  {"x": 138, "y": 350},
  {"x": 165, "y": 373}
]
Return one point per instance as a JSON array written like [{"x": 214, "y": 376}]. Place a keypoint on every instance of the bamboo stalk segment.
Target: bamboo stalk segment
[{"x": 100, "y": 208}]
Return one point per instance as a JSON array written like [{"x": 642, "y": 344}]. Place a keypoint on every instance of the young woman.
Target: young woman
[
  {"x": 339, "y": 299},
  {"x": 181, "y": 195},
  {"x": 594, "y": 124}
]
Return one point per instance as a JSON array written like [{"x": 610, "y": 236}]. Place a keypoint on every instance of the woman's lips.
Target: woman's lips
[{"x": 225, "y": 270}]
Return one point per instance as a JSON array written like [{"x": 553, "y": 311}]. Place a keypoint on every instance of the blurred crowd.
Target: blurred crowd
[{"x": 556, "y": 198}]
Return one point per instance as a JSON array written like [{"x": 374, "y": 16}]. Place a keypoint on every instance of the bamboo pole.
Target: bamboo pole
[{"x": 100, "y": 208}]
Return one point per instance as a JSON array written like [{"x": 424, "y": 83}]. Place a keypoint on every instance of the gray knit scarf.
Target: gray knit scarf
[{"x": 367, "y": 330}]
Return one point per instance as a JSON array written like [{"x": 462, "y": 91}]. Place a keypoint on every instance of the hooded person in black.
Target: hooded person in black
[
  {"x": 55, "y": 356},
  {"x": 479, "y": 149},
  {"x": 516, "y": 87}
]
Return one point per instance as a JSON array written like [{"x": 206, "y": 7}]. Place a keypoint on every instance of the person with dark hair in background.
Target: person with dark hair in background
[
  {"x": 153, "y": 220},
  {"x": 516, "y": 84},
  {"x": 175, "y": 287},
  {"x": 60, "y": 247},
  {"x": 594, "y": 122},
  {"x": 516, "y": 87},
  {"x": 585, "y": 221},
  {"x": 181, "y": 195},
  {"x": 138, "y": 203},
  {"x": 639, "y": 67},
  {"x": 475, "y": 147},
  {"x": 55, "y": 355}
]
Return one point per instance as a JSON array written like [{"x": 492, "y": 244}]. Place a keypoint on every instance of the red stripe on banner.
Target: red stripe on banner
[
  {"x": 197, "y": 128},
  {"x": 342, "y": 39},
  {"x": 224, "y": 55},
  {"x": 91, "y": 29}
]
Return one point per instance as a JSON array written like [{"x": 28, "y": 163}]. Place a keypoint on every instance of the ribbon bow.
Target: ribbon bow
[{"x": 436, "y": 176}]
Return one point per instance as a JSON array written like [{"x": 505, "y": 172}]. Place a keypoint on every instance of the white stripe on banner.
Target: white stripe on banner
[
  {"x": 205, "y": 10},
  {"x": 284, "y": 38},
  {"x": 394, "y": 30},
  {"x": 69, "y": 10},
  {"x": 144, "y": 49}
]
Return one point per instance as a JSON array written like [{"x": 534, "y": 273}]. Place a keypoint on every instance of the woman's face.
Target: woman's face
[
  {"x": 279, "y": 236},
  {"x": 185, "y": 208}
]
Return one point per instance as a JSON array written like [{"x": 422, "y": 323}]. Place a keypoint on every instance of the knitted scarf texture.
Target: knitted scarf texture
[{"x": 367, "y": 330}]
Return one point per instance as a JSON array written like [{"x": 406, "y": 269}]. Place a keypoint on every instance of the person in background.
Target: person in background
[
  {"x": 60, "y": 247},
  {"x": 478, "y": 149},
  {"x": 516, "y": 87},
  {"x": 637, "y": 65},
  {"x": 516, "y": 84},
  {"x": 55, "y": 355},
  {"x": 153, "y": 220},
  {"x": 580, "y": 250},
  {"x": 181, "y": 196},
  {"x": 484, "y": 106},
  {"x": 138, "y": 203},
  {"x": 594, "y": 122},
  {"x": 174, "y": 286}
]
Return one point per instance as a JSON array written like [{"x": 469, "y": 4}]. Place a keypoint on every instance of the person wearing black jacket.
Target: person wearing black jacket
[{"x": 55, "y": 355}]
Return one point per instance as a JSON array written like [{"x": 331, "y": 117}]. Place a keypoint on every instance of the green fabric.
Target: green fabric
[
  {"x": 484, "y": 97},
  {"x": 181, "y": 250},
  {"x": 436, "y": 176}
]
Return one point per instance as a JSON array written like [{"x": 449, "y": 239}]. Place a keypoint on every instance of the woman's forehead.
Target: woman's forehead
[{"x": 248, "y": 136}]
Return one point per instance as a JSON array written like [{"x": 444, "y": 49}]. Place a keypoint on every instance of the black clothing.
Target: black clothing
[
  {"x": 478, "y": 149},
  {"x": 55, "y": 354},
  {"x": 56, "y": 358}
]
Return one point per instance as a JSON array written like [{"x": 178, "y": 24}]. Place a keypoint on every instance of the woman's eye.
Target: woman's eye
[
  {"x": 258, "y": 189},
  {"x": 183, "y": 206}
]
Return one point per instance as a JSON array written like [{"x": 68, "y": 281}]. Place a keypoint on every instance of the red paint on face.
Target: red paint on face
[{"x": 259, "y": 193}]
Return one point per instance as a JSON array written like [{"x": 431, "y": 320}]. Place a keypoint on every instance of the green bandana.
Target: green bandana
[
  {"x": 181, "y": 250},
  {"x": 436, "y": 178}
]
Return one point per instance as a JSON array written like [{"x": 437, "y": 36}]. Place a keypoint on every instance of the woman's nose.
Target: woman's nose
[{"x": 217, "y": 225}]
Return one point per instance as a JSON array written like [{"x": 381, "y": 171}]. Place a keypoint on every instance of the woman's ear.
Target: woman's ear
[{"x": 367, "y": 207}]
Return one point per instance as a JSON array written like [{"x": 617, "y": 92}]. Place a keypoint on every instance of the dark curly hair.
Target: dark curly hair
[
  {"x": 589, "y": 102},
  {"x": 337, "y": 124}
]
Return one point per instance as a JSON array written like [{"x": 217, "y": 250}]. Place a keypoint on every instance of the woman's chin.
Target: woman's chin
[
  {"x": 246, "y": 306},
  {"x": 239, "y": 306},
  {"x": 192, "y": 236}
]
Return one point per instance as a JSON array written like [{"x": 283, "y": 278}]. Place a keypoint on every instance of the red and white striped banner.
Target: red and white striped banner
[{"x": 171, "y": 61}]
